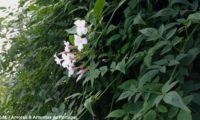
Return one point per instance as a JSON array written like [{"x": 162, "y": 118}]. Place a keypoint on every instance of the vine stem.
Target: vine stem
[
  {"x": 188, "y": 38},
  {"x": 120, "y": 4},
  {"x": 106, "y": 89},
  {"x": 173, "y": 73},
  {"x": 98, "y": 97}
]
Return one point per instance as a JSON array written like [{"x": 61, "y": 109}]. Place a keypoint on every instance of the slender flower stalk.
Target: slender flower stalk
[{"x": 81, "y": 73}]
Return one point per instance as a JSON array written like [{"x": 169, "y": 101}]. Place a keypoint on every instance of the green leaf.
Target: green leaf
[
  {"x": 33, "y": 7},
  {"x": 130, "y": 90},
  {"x": 113, "y": 38},
  {"x": 126, "y": 117},
  {"x": 73, "y": 96},
  {"x": 127, "y": 85},
  {"x": 116, "y": 114},
  {"x": 184, "y": 115},
  {"x": 138, "y": 20},
  {"x": 88, "y": 104},
  {"x": 176, "y": 40},
  {"x": 125, "y": 95},
  {"x": 185, "y": 2},
  {"x": 162, "y": 109},
  {"x": 147, "y": 77},
  {"x": 62, "y": 107},
  {"x": 193, "y": 53},
  {"x": 164, "y": 12},
  {"x": 71, "y": 30},
  {"x": 47, "y": 100},
  {"x": 71, "y": 39},
  {"x": 168, "y": 86},
  {"x": 98, "y": 8},
  {"x": 151, "y": 115},
  {"x": 166, "y": 49},
  {"x": 103, "y": 70},
  {"x": 111, "y": 28},
  {"x": 163, "y": 69},
  {"x": 121, "y": 66},
  {"x": 180, "y": 57},
  {"x": 93, "y": 73},
  {"x": 190, "y": 86},
  {"x": 125, "y": 48},
  {"x": 133, "y": 3},
  {"x": 194, "y": 17},
  {"x": 171, "y": 33},
  {"x": 188, "y": 99},
  {"x": 148, "y": 58},
  {"x": 113, "y": 66},
  {"x": 147, "y": 104},
  {"x": 196, "y": 99},
  {"x": 161, "y": 29},
  {"x": 151, "y": 33},
  {"x": 173, "y": 111},
  {"x": 158, "y": 100},
  {"x": 138, "y": 41},
  {"x": 55, "y": 110},
  {"x": 174, "y": 99}
]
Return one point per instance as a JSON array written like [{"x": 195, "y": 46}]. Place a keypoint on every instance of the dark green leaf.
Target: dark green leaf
[
  {"x": 113, "y": 38},
  {"x": 125, "y": 95},
  {"x": 164, "y": 12},
  {"x": 127, "y": 85},
  {"x": 138, "y": 20},
  {"x": 151, "y": 33},
  {"x": 111, "y": 28},
  {"x": 171, "y": 33},
  {"x": 162, "y": 109},
  {"x": 151, "y": 115}
]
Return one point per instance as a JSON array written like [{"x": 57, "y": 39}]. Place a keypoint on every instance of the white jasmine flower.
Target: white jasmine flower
[
  {"x": 81, "y": 28},
  {"x": 80, "y": 23},
  {"x": 70, "y": 71},
  {"x": 68, "y": 60},
  {"x": 57, "y": 59},
  {"x": 79, "y": 42},
  {"x": 67, "y": 46}
]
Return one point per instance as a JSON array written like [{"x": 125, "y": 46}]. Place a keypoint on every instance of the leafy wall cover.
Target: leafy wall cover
[{"x": 123, "y": 59}]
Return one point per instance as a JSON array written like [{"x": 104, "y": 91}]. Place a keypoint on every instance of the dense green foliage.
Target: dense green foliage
[{"x": 142, "y": 55}]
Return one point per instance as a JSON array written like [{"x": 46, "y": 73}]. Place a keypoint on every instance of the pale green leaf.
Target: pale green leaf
[
  {"x": 116, "y": 114},
  {"x": 174, "y": 99},
  {"x": 98, "y": 8},
  {"x": 184, "y": 115}
]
